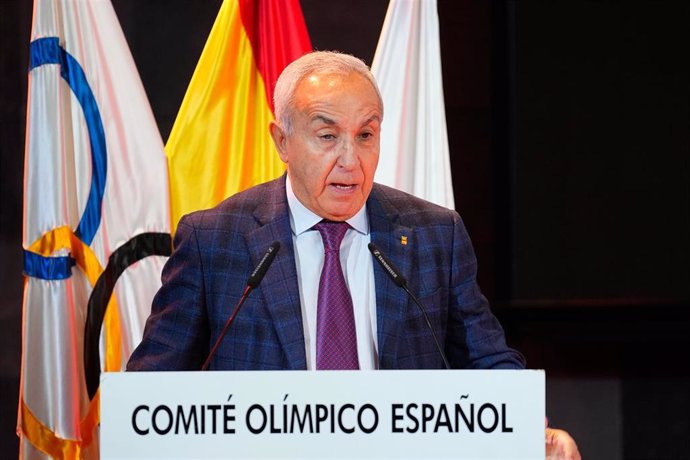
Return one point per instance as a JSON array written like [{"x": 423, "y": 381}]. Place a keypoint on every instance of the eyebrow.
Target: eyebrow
[
  {"x": 331, "y": 122},
  {"x": 374, "y": 117},
  {"x": 323, "y": 118}
]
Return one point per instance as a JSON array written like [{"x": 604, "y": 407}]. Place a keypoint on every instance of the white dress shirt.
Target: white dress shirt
[{"x": 358, "y": 269}]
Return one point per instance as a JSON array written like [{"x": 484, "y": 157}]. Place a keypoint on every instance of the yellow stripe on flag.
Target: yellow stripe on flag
[{"x": 220, "y": 144}]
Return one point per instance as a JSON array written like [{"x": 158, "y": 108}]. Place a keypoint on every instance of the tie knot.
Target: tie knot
[{"x": 332, "y": 233}]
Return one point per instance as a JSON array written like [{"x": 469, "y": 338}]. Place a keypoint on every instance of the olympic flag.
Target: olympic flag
[
  {"x": 414, "y": 140},
  {"x": 96, "y": 222}
]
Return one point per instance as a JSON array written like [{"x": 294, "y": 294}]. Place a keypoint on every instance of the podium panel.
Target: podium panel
[{"x": 287, "y": 415}]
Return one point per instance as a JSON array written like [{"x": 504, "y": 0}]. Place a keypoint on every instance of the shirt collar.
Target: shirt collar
[{"x": 302, "y": 219}]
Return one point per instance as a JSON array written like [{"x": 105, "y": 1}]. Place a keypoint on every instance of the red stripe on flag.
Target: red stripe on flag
[{"x": 278, "y": 35}]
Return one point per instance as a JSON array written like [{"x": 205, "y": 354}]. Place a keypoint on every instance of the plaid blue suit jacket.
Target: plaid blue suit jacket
[{"x": 216, "y": 250}]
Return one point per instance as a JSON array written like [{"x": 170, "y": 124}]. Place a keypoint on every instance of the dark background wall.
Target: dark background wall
[{"x": 568, "y": 129}]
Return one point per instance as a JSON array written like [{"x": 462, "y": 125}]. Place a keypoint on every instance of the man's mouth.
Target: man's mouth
[{"x": 344, "y": 187}]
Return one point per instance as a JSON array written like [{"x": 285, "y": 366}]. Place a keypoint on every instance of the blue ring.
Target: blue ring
[
  {"x": 48, "y": 51},
  {"x": 47, "y": 268}
]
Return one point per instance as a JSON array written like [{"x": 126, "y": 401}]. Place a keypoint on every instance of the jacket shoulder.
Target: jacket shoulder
[
  {"x": 240, "y": 206},
  {"x": 409, "y": 209}
]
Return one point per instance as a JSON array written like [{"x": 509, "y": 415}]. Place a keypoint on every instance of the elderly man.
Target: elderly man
[{"x": 324, "y": 304}]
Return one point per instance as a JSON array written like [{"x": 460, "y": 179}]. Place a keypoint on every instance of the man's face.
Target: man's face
[{"x": 333, "y": 150}]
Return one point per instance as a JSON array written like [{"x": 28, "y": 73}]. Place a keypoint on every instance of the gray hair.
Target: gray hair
[{"x": 323, "y": 62}]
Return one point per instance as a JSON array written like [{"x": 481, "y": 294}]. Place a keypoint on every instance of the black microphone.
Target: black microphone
[
  {"x": 254, "y": 279},
  {"x": 400, "y": 281},
  {"x": 265, "y": 262}
]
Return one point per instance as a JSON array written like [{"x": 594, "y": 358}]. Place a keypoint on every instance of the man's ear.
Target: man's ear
[{"x": 279, "y": 139}]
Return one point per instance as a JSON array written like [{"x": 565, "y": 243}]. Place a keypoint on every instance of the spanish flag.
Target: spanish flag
[{"x": 220, "y": 143}]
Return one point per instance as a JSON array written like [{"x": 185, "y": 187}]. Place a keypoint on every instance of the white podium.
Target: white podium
[{"x": 323, "y": 415}]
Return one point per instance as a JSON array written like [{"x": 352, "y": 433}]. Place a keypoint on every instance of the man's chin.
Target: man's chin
[{"x": 339, "y": 214}]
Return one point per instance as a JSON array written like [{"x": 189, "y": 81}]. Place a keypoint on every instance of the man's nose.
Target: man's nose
[{"x": 347, "y": 157}]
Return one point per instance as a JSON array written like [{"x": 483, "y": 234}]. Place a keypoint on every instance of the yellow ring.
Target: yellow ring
[{"x": 36, "y": 432}]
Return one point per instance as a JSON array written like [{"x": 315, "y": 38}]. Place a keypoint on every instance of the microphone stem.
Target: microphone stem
[
  {"x": 426, "y": 317},
  {"x": 247, "y": 290}
]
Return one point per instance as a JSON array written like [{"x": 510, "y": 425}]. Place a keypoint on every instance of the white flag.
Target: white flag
[
  {"x": 414, "y": 141},
  {"x": 96, "y": 222}
]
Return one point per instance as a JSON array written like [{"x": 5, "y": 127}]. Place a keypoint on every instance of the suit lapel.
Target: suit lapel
[
  {"x": 279, "y": 287},
  {"x": 395, "y": 241}
]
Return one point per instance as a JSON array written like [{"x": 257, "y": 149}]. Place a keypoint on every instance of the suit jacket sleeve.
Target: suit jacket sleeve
[
  {"x": 475, "y": 338},
  {"x": 176, "y": 333}
]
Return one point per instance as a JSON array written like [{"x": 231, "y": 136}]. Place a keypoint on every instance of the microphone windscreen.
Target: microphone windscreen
[
  {"x": 387, "y": 266},
  {"x": 265, "y": 262}
]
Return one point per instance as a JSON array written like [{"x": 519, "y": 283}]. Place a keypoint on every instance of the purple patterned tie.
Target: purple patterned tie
[{"x": 336, "y": 338}]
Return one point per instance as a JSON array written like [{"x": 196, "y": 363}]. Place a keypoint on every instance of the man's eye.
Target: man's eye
[
  {"x": 366, "y": 135},
  {"x": 327, "y": 137}
]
